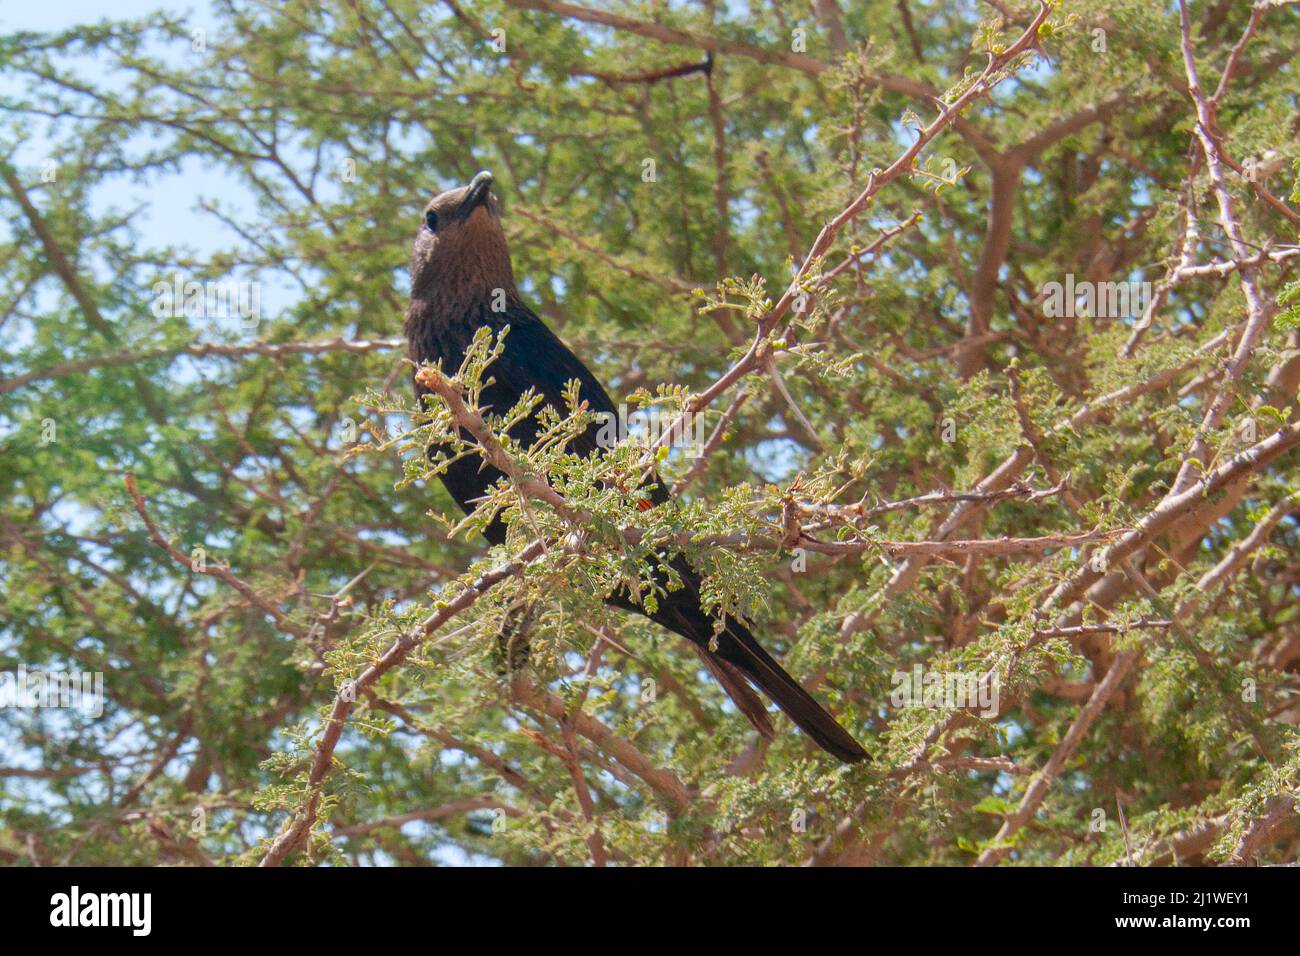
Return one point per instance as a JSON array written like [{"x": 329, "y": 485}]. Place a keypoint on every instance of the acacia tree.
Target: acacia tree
[{"x": 986, "y": 310}]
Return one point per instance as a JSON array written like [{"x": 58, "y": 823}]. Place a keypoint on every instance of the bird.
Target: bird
[{"x": 461, "y": 281}]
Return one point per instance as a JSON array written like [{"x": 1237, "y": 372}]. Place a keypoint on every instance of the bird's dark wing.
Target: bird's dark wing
[{"x": 534, "y": 357}]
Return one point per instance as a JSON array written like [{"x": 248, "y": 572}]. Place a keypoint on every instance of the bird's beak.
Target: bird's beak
[{"x": 476, "y": 194}]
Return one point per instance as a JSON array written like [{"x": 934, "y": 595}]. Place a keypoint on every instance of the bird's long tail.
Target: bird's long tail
[
  {"x": 739, "y": 654},
  {"x": 738, "y": 689},
  {"x": 797, "y": 704}
]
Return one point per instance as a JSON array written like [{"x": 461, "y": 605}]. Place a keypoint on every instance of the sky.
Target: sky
[
  {"x": 170, "y": 201},
  {"x": 61, "y": 14}
]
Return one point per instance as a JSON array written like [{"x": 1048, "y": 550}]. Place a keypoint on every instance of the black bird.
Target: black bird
[{"x": 461, "y": 280}]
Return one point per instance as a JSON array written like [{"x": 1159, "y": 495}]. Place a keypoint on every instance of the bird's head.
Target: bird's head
[{"x": 460, "y": 253}]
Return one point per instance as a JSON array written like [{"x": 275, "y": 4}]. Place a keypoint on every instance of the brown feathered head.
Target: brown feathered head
[{"x": 460, "y": 254}]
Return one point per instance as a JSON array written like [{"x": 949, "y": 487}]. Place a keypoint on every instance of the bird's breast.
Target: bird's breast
[{"x": 435, "y": 332}]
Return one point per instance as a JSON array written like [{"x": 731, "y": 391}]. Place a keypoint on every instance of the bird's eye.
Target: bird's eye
[{"x": 431, "y": 220}]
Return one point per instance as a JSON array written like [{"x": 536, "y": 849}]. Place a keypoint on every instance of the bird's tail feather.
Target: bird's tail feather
[
  {"x": 740, "y": 654},
  {"x": 797, "y": 704},
  {"x": 739, "y": 658},
  {"x": 741, "y": 694}
]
